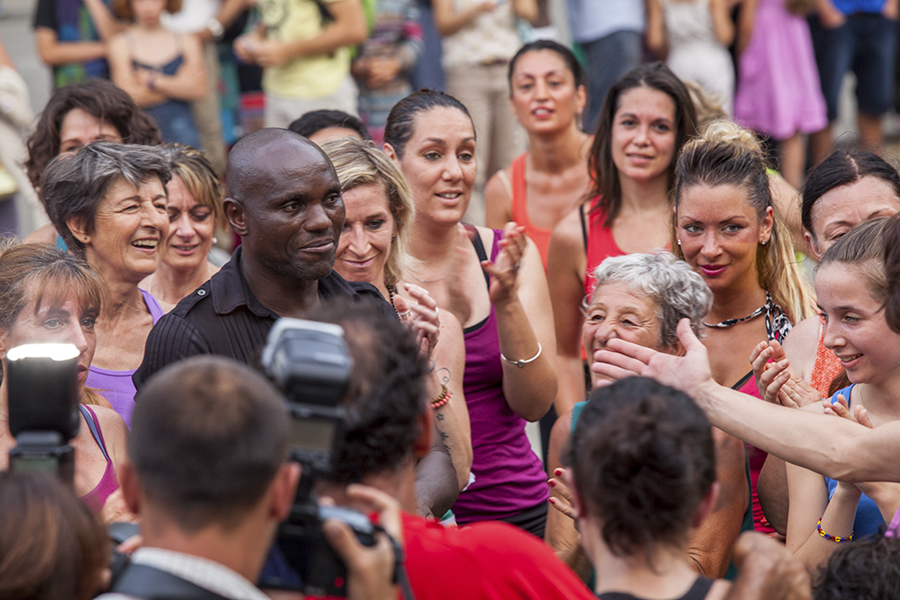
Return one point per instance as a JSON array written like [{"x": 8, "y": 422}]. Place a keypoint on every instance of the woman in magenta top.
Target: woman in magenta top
[
  {"x": 109, "y": 203},
  {"x": 47, "y": 296},
  {"x": 493, "y": 282}
]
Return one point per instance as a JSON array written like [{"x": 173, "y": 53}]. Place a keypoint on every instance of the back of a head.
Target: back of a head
[
  {"x": 51, "y": 546},
  {"x": 387, "y": 393},
  {"x": 317, "y": 120},
  {"x": 225, "y": 429},
  {"x": 867, "y": 569},
  {"x": 840, "y": 169},
  {"x": 642, "y": 458}
]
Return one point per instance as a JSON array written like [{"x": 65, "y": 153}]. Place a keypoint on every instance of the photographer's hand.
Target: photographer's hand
[{"x": 370, "y": 569}]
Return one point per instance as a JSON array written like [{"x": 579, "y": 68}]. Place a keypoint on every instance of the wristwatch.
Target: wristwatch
[{"x": 215, "y": 28}]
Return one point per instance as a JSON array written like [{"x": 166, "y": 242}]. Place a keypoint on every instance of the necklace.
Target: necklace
[
  {"x": 732, "y": 322},
  {"x": 390, "y": 290},
  {"x": 428, "y": 280}
]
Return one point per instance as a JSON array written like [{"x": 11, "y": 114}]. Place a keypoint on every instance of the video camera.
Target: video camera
[
  {"x": 310, "y": 363},
  {"x": 42, "y": 380}
]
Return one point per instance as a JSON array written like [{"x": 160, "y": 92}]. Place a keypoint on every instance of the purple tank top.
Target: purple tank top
[
  {"x": 509, "y": 477},
  {"x": 117, "y": 386},
  {"x": 96, "y": 498}
]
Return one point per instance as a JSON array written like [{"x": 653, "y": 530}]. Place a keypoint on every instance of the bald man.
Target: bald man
[{"x": 284, "y": 200}]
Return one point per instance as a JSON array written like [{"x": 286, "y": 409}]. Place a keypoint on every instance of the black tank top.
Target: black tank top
[{"x": 698, "y": 591}]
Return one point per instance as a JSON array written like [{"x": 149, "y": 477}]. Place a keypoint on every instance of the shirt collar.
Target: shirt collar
[
  {"x": 230, "y": 290},
  {"x": 203, "y": 572}
]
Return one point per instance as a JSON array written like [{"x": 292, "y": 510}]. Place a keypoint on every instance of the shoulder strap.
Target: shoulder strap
[
  {"x": 479, "y": 250},
  {"x": 700, "y": 589},
  {"x": 94, "y": 426},
  {"x": 150, "y": 583},
  {"x": 584, "y": 236}
]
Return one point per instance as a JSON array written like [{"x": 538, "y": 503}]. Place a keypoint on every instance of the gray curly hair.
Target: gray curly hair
[{"x": 670, "y": 283}]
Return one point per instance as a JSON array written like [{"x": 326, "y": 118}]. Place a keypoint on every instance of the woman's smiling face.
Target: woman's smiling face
[{"x": 643, "y": 134}]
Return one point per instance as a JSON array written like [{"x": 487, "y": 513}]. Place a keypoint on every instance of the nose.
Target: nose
[
  {"x": 358, "y": 241},
  {"x": 541, "y": 90},
  {"x": 710, "y": 248},
  {"x": 317, "y": 218},
  {"x": 182, "y": 226},
  {"x": 604, "y": 332},
  {"x": 831, "y": 335},
  {"x": 77, "y": 338},
  {"x": 642, "y": 135},
  {"x": 452, "y": 169}
]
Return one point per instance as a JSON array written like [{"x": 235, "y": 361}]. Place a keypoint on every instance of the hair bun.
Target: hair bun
[{"x": 724, "y": 131}]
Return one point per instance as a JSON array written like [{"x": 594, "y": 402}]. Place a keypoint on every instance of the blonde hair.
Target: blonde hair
[
  {"x": 727, "y": 154},
  {"x": 359, "y": 163}
]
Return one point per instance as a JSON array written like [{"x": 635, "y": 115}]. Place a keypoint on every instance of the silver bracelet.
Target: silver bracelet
[{"x": 522, "y": 363}]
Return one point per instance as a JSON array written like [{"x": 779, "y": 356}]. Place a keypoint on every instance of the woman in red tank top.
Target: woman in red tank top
[
  {"x": 646, "y": 117},
  {"x": 542, "y": 185}
]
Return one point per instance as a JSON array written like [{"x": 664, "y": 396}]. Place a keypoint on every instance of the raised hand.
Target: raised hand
[
  {"x": 421, "y": 314},
  {"x": 505, "y": 270}
]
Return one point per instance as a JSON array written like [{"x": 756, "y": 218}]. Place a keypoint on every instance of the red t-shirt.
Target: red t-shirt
[{"x": 488, "y": 560}]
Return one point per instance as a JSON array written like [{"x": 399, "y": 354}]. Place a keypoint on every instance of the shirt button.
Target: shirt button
[{"x": 201, "y": 292}]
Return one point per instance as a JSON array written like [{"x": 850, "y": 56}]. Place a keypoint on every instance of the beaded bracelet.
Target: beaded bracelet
[
  {"x": 832, "y": 538},
  {"x": 442, "y": 398}
]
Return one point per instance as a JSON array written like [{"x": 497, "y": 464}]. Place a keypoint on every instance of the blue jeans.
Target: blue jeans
[
  {"x": 866, "y": 43},
  {"x": 608, "y": 59}
]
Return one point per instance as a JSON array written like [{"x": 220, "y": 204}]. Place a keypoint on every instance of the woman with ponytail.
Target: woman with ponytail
[{"x": 726, "y": 229}]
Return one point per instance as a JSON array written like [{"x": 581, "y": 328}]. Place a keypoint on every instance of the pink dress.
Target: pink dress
[{"x": 778, "y": 91}]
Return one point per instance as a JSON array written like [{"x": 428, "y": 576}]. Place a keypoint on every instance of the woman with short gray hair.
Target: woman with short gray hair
[
  {"x": 109, "y": 203},
  {"x": 641, "y": 298}
]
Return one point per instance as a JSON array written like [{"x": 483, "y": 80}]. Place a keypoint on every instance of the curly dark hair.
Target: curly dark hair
[
  {"x": 868, "y": 569},
  {"x": 387, "y": 390},
  {"x": 99, "y": 98},
  {"x": 642, "y": 458}
]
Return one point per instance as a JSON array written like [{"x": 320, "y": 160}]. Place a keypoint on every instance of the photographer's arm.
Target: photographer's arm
[{"x": 370, "y": 569}]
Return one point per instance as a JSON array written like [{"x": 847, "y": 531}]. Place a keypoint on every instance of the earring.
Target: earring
[
  {"x": 215, "y": 240},
  {"x": 764, "y": 242},
  {"x": 679, "y": 242},
  {"x": 393, "y": 237},
  {"x": 579, "y": 120}
]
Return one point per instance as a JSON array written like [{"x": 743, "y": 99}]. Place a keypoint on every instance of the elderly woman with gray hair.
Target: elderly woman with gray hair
[
  {"x": 641, "y": 298},
  {"x": 109, "y": 203}
]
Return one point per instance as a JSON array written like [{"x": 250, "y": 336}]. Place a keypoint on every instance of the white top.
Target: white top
[
  {"x": 591, "y": 20},
  {"x": 208, "y": 574},
  {"x": 490, "y": 37}
]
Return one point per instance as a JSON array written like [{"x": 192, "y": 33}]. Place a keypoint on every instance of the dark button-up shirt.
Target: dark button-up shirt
[{"x": 224, "y": 317}]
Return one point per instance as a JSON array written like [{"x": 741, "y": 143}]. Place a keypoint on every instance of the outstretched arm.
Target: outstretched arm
[{"x": 837, "y": 448}]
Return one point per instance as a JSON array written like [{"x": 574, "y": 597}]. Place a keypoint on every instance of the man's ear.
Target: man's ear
[
  {"x": 389, "y": 150},
  {"x": 77, "y": 227},
  {"x": 131, "y": 487},
  {"x": 236, "y": 216},
  {"x": 426, "y": 435},
  {"x": 283, "y": 488}
]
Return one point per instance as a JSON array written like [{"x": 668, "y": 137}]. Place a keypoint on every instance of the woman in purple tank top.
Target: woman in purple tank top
[
  {"x": 493, "y": 282},
  {"x": 109, "y": 204},
  {"x": 47, "y": 296}
]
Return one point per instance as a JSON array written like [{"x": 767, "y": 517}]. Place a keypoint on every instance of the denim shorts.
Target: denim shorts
[{"x": 865, "y": 43}]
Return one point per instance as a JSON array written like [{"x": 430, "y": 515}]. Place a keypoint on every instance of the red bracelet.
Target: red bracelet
[
  {"x": 442, "y": 398},
  {"x": 832, "y": 538}
]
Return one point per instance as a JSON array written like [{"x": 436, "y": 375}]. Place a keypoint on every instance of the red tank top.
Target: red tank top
[
  {"x": 826, "y": 367},
  {"x": 598, "y": 241},
  {"x": 539, "y": 235}
]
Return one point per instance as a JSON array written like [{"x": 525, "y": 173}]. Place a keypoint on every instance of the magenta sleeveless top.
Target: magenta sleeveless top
[
  {"x": 117, "y": 386},
  {"x": 509, "y": 477},
  {"x": 96, "y": 498}
]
